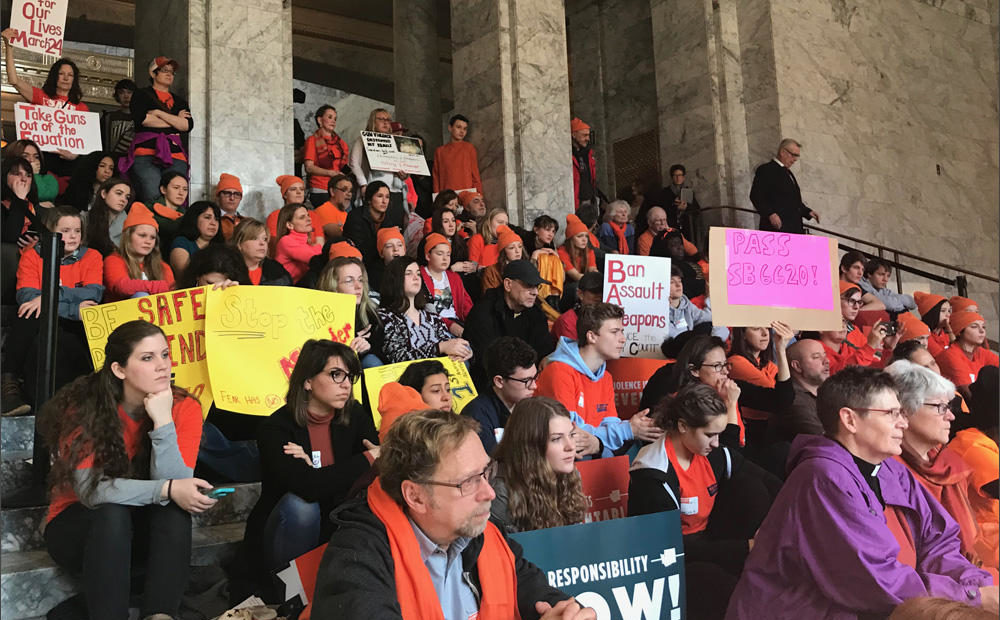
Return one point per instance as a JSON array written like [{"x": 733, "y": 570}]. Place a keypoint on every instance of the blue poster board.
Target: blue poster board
[{"x": 626, "y": 569}]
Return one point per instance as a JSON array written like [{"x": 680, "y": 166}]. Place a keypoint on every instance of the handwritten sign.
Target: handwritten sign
[
  {"x": 772, "y": 276},
  {"x": 394, "y": 153},
  {"x": 630, "y": 377},
  {"x": 255, "y": 334},
  {"x": 625, "y": 569},
  {"x": 640, "y": 285},
  {"x": 605, "y": 483},
  {"x": 181, "y": 316},
  {"x": 462, "y": 388},
  {"x": 58, "y": 128},
  {"x": 40, "y": 25}
]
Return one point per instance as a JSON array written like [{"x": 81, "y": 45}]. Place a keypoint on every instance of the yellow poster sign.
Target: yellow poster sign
[
  {"x": 462, "y": 388},
  {"x": 181, "y": 316},
  {"x": 255, "y": 334}
]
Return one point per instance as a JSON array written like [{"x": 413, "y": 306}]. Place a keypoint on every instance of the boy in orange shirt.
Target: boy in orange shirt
[{"x": 456, "y": 164}]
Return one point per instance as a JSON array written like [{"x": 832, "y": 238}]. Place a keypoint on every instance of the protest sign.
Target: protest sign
[
  {"x": 299, "y": 576},
  {"x": 773, "y": 276},
  {"x": 40, "y": 25},
  {"x": 394, "y": 153},
  {"x": 58, "y": 128},
  {"x": 630, "y": 376},
  {"x": 605, "y": 483},
  {"x": 625, "y": 569},
  {"x": 640, "y": 285},
  {"x": 181, "y": 316},
  {"x": 462, "y": 388},
  {"x": 255, "y": 334}
]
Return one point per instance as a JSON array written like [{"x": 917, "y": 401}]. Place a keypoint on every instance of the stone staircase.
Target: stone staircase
[{"x": 30, "y": 582}]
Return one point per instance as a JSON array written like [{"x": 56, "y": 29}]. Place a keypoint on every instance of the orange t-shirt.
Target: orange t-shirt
[
  {"x": 744, "y": 370},
  {"x": 334, "y": 156},
  {"x": 482, "y": 253},
  {"x": 38, "y": 97},
  {"x": 329, "y": 213},
  {"x": 698, "y": 488},
  {"x": 568, "y": 263},
  {"x": 959, "y": 369},
  {"x": 938, "y": 342},
  {"x": 255, "y": 275}
]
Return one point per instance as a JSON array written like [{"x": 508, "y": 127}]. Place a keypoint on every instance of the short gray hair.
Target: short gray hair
[
  {"x": 915, "y": 384},
  {"x": 786, "y": 141},
  {"x": 614, "y": 206}
]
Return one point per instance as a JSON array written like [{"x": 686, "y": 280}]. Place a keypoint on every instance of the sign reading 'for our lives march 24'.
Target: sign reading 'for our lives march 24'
[
  {"x": 40, "y": 25},
  {"x": 255, "y": 334},
  {"x": 625, "y": 569}
]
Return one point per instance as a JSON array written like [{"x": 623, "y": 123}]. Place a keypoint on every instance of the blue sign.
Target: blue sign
[{"x": 626, "y": 569}]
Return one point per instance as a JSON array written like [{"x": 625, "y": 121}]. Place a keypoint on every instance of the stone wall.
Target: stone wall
[{"x": 352, "y": 110}]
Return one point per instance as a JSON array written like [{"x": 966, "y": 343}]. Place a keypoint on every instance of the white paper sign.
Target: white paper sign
[
  {"x": 640, "y": 285},
  {"x": 58, "y": 128},
  {"x": 40, "y": 25},
  {"x": 394, "y": 153}
]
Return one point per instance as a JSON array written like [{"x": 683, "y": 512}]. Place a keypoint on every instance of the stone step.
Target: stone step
[
  {"x": 31, "y": 584},
  {"x": 17, "y": 434},
  {"x": 15, "y": 471},
  {"x": 20, "y": 528}
]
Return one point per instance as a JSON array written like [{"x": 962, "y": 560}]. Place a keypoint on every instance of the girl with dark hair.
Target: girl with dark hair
[
  {"x": 169, "y": 206},
  {"x": 312, "y": 450},
  {"x": 107, "y": 216},
  {"x": 136, "y": 268},
  {"x": 326, "y": 155},
  {"x": 293, "y": 250},
  {"x": 852, "y": 269},
  {"x": 377, "y": 212},
  {"x": 218, "y": 265},
  {"x": 536, "y": 482},
  {"x": 198, "y": 228},
  {"x": 722, "y": 498},
  {"x": 46, "y": 183},
  {"x": 430, "y": 379},
  {"x": 413, "y": 332},
  {"x": 20, "y": 225},
  {"x": 91, "y": 171},
  {"x": 346, "y": 274},
  {"x": 125, "y": 444},
  {"x": 250, "y": 237},
  {"x": 576, "y": 254},
  {"x": 62, "y": 85},
  {"x": 750, "y": 362},
  {"x": 935, "y": 312}
]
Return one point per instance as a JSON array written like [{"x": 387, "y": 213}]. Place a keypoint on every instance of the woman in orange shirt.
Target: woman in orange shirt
[
  {"x": 962, "y": 361},
  {"x": 751, "y": 358},
  {"x": 575, "y": 252},
  {"x": 483, "y": 245},
  {"x": 137, "y": 268},
  {"x": 325, "y": 155}
]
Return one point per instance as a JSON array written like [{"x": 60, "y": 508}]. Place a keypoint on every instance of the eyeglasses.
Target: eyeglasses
[
  {"x": 940, "y": 408},
  {"x": 228, "y": 193},
  {"x": 796, "y": 155},
  {"x": 854, "y": 303},
  {"x": 719, "y": 366},
  {"x": 895, "y": 414},
  {"x": 526, "y": 381},
  {"x": 385, "y": 119},
  {"x": 346, "y": 190},
  {"x": 471, "y": 484},
  {"x": 339, "y": 376}
]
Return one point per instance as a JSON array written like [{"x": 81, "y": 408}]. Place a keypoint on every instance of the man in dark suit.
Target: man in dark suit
[{"x": 775, "y": 192}]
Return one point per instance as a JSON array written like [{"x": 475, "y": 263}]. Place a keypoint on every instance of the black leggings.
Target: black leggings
[{"x": 98, "y": 546}]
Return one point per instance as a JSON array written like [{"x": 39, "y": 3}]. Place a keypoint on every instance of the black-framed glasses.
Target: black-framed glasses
[
  {"x": 471, "y": 484},
  {"x": 228, "y": 193},
  {"x": 939, "y": 408},
  {"x": 854, "y": 303},
  {"x": 895, "y": 414},
  {"x": 338, "y": 375},
  {"x": 347, "y": 190},
  {"x": 792, "y": 154},
  {"x": 718, "y": 366},
  {"x": 526, "y": 381}
]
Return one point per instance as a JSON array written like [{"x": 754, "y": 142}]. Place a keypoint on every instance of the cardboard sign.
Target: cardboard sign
[
  {"x": 255, "y": 334},
  {"x": 462, "y": 388},
  {"x": 300, "y": 575},
  {"x": 181, "y": 316},
  {"x": 626, "y": 569},
  {"x": 40, "y": 25},
  {"x": 772, "y": 276},
  {"x": 58, "y": 128},
  {"x": 394, "y": 153},
  {"x": 630, "y": 376},
  {"x": 640, "y": 285},
  {"x": 605, "y": 483}
]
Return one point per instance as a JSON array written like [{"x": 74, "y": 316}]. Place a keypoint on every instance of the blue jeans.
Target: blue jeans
[
  {"x": 370, "y": 360},
  {"x": 238, "y": 461},
  {"x": 292, "y": 529},
  {"x": 146, "y": 173}
]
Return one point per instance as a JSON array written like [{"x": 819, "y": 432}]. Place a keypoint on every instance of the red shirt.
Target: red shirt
[
  {"x": 568, "y": 264},
  {"x": 959, "y": 369},
  {"x": 118, "y": 285},
  {"x": 698, "y": 490},
  {"x": 482, "y": 253},
  {"x": 456, "y": 167},
  {"x": 329, "y": 153},
  {"x": 38, "y": 97},
  {"x": 591, "y": 400},
  {"x": 85, "y": 271}
]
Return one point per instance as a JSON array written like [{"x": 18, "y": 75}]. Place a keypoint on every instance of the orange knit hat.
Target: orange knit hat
[
  {"x": 961, "y": 304},
  {"x": 286, "y": 181},
  {"x": 138, "y": 215},
  {"x": 506, "y": 236},
  {"x": 385, "y": 234},
  {"x": 913, "y": 327},
  {"x": 961, "y": 320},
  {"x": 466, "y": 197},
  {"x": 344, "y": 249},
  {"x": 926, "y": 301},
  {"x": 574, "y": 226},
  {"x": 577, "y": 125},
  {"x": 395, "y": 400},
  {"x": 433, "y": 240},
  {"x": 230, "y": 182},
  {"x": 846, "y": 286}
]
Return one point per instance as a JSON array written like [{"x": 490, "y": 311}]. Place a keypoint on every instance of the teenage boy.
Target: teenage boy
[
  {"x": 510, "y": 368},
  {"x": 118, "y": 126},
  {"x": 876, "y": 282},
  {"x": 577, "y": 376},
  {"x": 229, "y": 194},
  {"x": 456, "y": 164}
]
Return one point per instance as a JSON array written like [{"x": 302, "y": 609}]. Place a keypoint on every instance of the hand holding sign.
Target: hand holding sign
[{"x": 565, "y": 610}]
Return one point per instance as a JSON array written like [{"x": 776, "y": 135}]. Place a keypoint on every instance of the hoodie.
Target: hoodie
[
  {"x": 589, "y": 396},
  {"x": 825, "y": 550},
  {"x": 686, "y": 315},
  {"x": 81, "y": 278}
]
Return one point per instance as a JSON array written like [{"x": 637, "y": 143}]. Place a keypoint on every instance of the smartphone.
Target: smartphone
[{"x": 219, "y": 492}]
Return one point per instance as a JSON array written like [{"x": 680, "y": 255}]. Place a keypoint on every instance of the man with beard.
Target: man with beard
[{"x": 585, "y": 190}]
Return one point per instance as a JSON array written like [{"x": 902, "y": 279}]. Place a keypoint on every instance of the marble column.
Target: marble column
[
  {"x": 416, "y": 83},
  {"x": 510, "y": 78},
  {"x": 236, "y": 71}
]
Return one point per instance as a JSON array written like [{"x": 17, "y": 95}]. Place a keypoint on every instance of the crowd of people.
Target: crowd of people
[{"x": 828, "y": 474}]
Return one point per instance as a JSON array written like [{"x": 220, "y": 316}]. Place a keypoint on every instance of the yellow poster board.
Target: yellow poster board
[
  {"x": 255, "y": 334},
  {"x": 462, "y": 388},
  {"x": 181, "y": 316}
]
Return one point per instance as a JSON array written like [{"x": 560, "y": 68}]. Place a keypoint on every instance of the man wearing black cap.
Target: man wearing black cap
[
  {"x": 510, "y": 310},
  {"x": 589, "y": 291}
]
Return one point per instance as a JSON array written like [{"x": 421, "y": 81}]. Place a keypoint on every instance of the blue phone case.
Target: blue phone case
[{"x": 220, "y": 492}]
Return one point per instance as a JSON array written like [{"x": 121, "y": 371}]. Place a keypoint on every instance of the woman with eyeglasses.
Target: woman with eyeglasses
[
  {"x": 535, "y": 478},
  {"x": 850, "y": 346},
  {"x": 311, "y": 451},
  {"x": 924, "y": 397}
]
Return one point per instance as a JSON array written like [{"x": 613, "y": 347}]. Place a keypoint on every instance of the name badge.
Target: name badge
[
  {"x": 317, "y": 459},
  {"x": 689, "y": 505},
  {"x": 682, "y": 324}
]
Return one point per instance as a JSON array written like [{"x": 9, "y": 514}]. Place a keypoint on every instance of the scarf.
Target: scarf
[
  {"x": 414, "y": 588},
  {"x": 619, "y": 231},
  {"x": 329, "y": 149}
]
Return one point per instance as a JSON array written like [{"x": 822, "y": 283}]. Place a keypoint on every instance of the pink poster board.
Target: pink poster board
[{"x": 778, "y": 269}]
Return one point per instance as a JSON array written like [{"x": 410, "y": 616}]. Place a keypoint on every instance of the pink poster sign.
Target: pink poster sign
[{"x": 778, "y": 270}]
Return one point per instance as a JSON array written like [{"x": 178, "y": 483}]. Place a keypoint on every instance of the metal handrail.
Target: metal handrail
[{"x": 881, "y": 248}]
